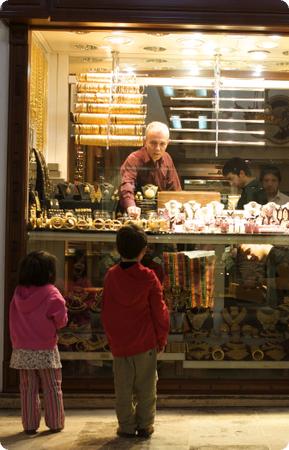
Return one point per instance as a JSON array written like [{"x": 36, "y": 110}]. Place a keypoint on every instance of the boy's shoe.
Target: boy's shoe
[
  {"x": 56, "y": 430},
  {"x": 30, "y": 432},
  {"x": 123, "y": 434},
  {"x": 145, "y": 432}
]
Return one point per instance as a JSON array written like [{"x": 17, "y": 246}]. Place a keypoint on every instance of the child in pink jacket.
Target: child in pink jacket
[{"x": 37, "y": 310}]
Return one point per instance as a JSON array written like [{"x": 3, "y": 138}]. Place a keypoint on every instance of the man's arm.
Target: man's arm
[{"x": 128, "y": 172}]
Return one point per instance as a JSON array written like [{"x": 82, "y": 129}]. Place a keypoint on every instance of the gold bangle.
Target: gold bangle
[
  {"x": 82, "y": 224},
  {"x": 56, "y": 222},
  {"x": 98, "y": 224},
  {"x": 70, "y": 222},
  {"x": 116, "y": 225},
  {"x": 108, "y": 224}
]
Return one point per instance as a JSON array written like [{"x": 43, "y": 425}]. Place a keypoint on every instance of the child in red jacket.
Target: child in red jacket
[
  {"x": 37, "y": 311},
  {"x": 136, "y": 323}
]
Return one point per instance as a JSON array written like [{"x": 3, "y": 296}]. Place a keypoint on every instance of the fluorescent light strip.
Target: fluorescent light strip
[
  {"x": 199, "y": 141},
  {"x": 196, "y": 130},
  {"x": 191, "y": 108},
  {"x": 186, "y": 119},
  {"x": 231, "y": 99}
]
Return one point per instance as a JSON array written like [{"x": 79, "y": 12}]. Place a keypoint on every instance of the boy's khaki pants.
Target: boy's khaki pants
[{"x": 135, "y": 379}]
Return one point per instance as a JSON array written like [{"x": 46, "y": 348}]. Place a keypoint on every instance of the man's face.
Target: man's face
[
  {"x": 235, "y": 180},
  {"x": 156, "y": 143},
  {"x": 271, "y": 184}
]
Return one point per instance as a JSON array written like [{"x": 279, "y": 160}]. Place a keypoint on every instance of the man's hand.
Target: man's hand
[{"x": 134, "y": 212}]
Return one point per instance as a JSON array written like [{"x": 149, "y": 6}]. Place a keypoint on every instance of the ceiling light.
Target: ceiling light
[
  {"x": 275, "y": 37},
  {"x": 119, "y": 40},
  {"x": 259, "y": 54},
  {"x": 85, "y": 47},
  {"x": 190, "y": 42},
  {"x": 268, "y": 44},
  {"x": 155, "y": 49}
]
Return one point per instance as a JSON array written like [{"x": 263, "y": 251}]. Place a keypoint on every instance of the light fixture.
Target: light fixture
[
  {"x": 190, "y": 42},
  {"x": 268, "y": 44},
  {"x": 118, "y": 40},
  {"x": 259, "y": 54},
  {"x": 85, "y": 47},
  {"x": 155, "y": 49},
  {"x": 156, "y": 61}
]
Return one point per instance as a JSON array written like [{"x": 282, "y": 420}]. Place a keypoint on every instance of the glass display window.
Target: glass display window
[{"x": 224, "y": 268}]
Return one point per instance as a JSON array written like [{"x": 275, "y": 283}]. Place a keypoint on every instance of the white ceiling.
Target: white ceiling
[{"x": 150, "y": 52}]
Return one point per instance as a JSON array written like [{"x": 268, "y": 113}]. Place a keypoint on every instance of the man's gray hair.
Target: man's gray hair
[{"x": 158, "y": 126}]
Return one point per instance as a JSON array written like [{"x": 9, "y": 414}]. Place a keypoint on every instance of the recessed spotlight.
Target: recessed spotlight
[
  {"x": 155, "y": 49},
  {"x": 156, "y": 61},
  {"x": 119, "y": 40},
  {"x": 85, "y": 47}
]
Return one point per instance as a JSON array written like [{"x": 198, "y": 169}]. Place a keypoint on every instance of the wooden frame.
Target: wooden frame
[{"x": 227, "y": 15}]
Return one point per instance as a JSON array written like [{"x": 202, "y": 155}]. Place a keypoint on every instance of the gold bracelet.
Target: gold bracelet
[
  {"x": 56, "y": 222},
  {"x": 98, "y": 224},
  {"x": 82, "y": 224}
]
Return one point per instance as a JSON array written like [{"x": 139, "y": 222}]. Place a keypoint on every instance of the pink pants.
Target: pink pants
[{"x": 50, "y": 381}]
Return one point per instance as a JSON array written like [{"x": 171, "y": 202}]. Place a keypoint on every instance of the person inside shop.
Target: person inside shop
[
  {"x": 238, "y": 173},
  {"x": 136, "y": 322},
  {"x": 149, "y": 165},
  {"x": 270, "y": 178}
]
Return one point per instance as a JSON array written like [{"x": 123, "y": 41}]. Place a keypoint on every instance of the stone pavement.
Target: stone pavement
[{"x": 175, "y": 429}]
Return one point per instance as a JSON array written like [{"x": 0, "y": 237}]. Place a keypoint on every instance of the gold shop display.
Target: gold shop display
[
  {"x": 38, "y": 95},
  {"x": 109, "y": 109}
]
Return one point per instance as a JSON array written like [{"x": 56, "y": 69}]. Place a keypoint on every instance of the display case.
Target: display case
[{"x": 227, "y": 296}]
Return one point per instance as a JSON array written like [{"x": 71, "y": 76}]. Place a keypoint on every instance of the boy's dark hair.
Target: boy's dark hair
[
  {"x": 130, "y": 241},
  {"x": 37, "y": 269},
  {"x": 272, "y": 170},
  {"x": 235, "y": 165}
]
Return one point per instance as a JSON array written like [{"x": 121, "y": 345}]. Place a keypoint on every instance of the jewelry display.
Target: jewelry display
[
  {"x": 257, "y": 353},
  {"x": 233, "y": 316},
  {"x": 236, "y": 351},
  {"x": 268, "y": 317},
  {"x": 107, "y": 102},
  {"x": 198, "y": 351},
  {"x": 218, "y": 354}
]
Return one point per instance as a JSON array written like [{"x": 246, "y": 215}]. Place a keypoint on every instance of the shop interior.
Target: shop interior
[{"x": 92, "y": 92}]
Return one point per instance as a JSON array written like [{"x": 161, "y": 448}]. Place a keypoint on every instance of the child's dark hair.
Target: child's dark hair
[
  {"x": 235, "y": 165},
  {"x": 130, "y": 241},
  {"x": 37, "y": 269}
]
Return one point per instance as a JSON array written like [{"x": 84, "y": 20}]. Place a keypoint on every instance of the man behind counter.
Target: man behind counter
[
  {"x": 149, "y": 165},
  {"x": 270, "y": 178},
  {"x": 237, "y": 171}
]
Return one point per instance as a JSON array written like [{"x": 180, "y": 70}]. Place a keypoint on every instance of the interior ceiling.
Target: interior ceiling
[{"x": 147, "y": 52}]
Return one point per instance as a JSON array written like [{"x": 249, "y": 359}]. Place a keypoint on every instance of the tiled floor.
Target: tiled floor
[{"x": 175, "y": 429}]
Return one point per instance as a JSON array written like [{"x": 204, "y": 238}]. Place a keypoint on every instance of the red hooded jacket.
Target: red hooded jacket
[{"x": 134, "y": 314}]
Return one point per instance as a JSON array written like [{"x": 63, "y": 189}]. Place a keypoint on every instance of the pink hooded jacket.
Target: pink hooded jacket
[{"x": 36, "y": 312}]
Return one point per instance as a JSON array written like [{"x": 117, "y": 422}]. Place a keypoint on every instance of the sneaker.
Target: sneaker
[
  {"x": 145, "y": 432},
  {"x": 30, "y": 432},
  {"x": 123, "y": 434}
]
